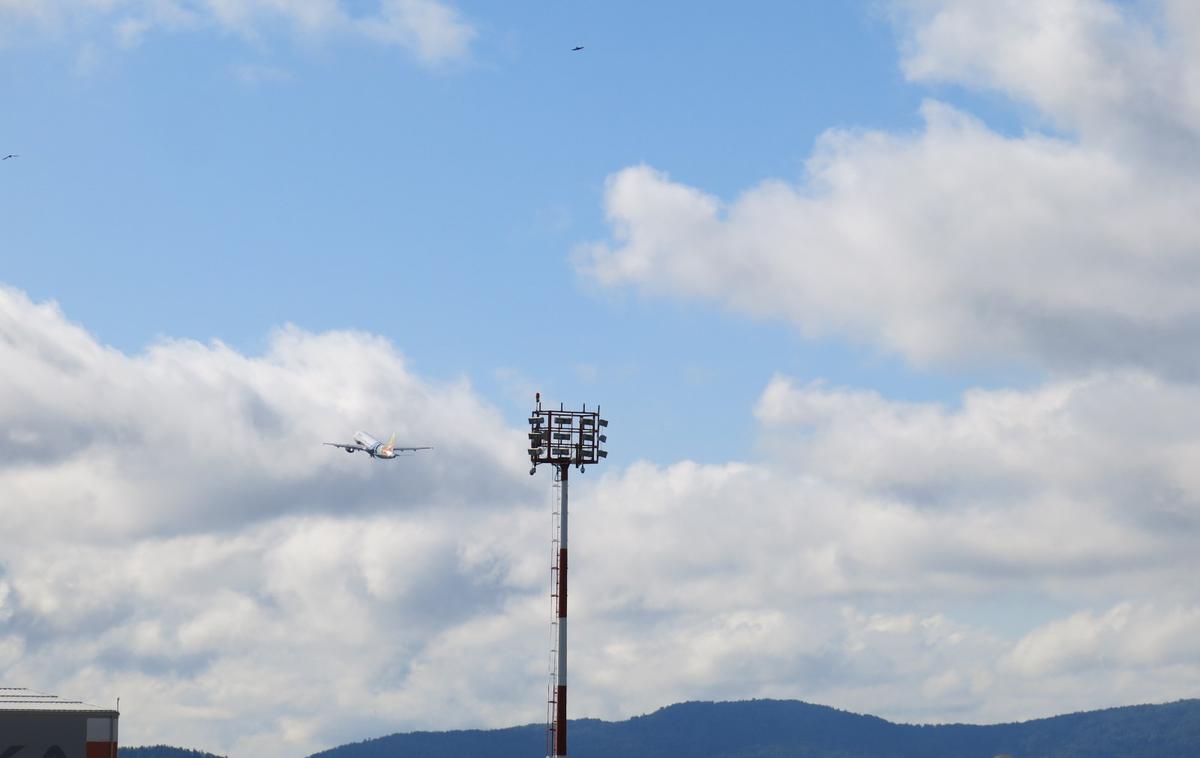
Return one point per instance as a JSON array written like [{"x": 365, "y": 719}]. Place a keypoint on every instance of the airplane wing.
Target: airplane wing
[
  {"x": 399, "y": 449},
  {"x": 347, "y": 446}
]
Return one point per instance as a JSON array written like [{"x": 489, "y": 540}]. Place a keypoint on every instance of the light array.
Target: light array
[{"x": 563, "y": 437}]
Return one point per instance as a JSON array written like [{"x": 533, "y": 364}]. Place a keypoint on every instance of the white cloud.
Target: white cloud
[
  {"x": 176, "y": 536},
  {"x": 77, "y": 431},
  {"x": 1121, "y": 75},
  {"x": 959, "y": 244},
  {"x": 1126, "y": 636},
  {"x": 1101, "y": 440},
  {"x": 786, "y": 577},
  {"x": 1050, "y": 531},
  {"x": 433, "y": 31}
]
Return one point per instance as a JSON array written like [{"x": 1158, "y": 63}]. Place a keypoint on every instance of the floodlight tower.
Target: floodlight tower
[{"x": 562, "y": 439}]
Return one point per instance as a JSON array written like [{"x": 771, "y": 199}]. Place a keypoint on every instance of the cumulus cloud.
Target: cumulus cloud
[
  {"x": 1127, "y": 636},
  {"x": 1099, "y": 443},
  {"x": 884, "y": 548},
  {"x": 1120, "y": 75},
  {"x": 1049, "y": 530},
  {"x": 1067, "y": 249},
  {"x": 1073, "y": 487},
  {"x": 433, "y": 31},
  {"x": 79, "y": 430},
  {"x": 176, "y": 536}
]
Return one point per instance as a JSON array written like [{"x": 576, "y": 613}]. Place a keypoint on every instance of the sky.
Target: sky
[{"x": 892, "y": 305}]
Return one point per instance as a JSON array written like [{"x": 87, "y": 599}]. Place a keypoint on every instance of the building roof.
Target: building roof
[{"x": 22, "y": 699}]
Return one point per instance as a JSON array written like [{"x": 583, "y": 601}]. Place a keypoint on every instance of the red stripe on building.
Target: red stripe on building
[{"x": 101, "y": 750}]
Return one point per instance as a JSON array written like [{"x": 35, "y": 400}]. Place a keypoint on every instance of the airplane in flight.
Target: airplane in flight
[{"x": 373, "y": 447}]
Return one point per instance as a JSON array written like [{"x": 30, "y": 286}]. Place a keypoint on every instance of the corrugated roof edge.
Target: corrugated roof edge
[{"x": 30, "y": 701}]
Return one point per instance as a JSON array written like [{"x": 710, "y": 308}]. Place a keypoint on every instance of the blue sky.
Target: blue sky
[
  {"x": 892, "y": 306},
  {"x": 160, "y": 195}
]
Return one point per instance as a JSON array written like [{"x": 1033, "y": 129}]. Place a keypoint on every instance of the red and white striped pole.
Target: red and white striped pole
[
  {"x": 563, "y": 439},
  {"x": 560, "y": 694}
]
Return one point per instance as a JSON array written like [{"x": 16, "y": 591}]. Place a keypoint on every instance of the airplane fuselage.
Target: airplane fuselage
[{"x": 374, "y": 447}]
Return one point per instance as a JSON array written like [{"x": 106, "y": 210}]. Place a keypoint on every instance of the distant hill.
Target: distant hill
[
  {"x": 792, "y": 729},
  {"x": 161, "y": 751}
]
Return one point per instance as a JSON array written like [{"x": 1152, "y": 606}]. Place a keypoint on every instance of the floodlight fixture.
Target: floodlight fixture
[{"x": 565, "y": 438}]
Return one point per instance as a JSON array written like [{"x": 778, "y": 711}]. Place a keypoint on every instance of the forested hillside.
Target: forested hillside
[
  {"x": 162, "y": 751},
  {"x": 792, "y": 729}
]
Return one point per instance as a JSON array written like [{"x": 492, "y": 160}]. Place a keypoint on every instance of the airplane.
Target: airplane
[{"x": 373, "y": 447}]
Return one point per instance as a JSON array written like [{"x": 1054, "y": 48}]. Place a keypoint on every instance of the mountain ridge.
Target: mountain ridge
[
  {"x": 796, "y": 729},
  {"x": 162, "y": 751}
]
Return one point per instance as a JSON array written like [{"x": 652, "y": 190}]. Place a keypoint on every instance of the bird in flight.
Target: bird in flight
[
  {"x": 577, "y": 48},
  {"x": 10, "y": 155}
]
